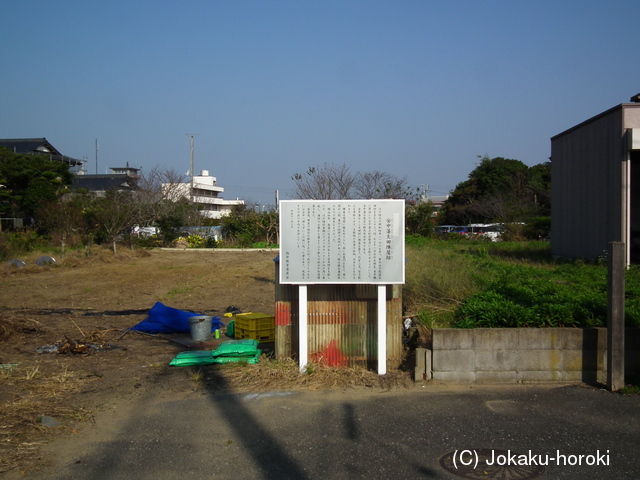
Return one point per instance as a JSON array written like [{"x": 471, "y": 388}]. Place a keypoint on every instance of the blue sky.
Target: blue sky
[{"x": 415, "y": 88}]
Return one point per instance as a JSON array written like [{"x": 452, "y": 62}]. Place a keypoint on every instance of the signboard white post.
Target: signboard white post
[{"x": 342, "y": 242}]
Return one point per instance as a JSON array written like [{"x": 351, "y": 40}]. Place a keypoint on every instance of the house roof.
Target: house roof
[
  {"x": 620, "y": 107},
  {"x": 103, "y": 183},
  {"x": 36, "y": 146}
]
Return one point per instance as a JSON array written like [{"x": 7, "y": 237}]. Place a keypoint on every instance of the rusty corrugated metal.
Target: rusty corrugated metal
[{"x": 342, "y": 323}]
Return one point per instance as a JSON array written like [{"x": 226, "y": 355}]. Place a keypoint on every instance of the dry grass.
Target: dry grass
[
  {"x": 35, "y": 393},
  {"x": 285, "y": 375},
  {"x": 12, "y": 324},
  {"x": 75, "y": 299}
]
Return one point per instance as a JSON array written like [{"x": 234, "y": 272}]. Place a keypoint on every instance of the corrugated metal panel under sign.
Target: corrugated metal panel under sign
[{"x": 342, "y": 328}]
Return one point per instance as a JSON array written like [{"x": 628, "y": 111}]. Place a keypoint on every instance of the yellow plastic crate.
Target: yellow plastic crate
[{"x": 256, "y": 326}]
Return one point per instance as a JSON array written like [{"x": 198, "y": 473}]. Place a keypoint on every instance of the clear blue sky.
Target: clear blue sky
[{"x": 414, "y": 88}]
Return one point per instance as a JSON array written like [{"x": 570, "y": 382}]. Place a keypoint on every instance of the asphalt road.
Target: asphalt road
[{"x": 400, "y": 434}]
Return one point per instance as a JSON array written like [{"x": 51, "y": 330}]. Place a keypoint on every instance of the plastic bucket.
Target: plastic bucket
[{"x": 200, "y": 327}]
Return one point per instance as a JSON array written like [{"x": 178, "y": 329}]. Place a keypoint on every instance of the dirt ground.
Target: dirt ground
[{"x": 95, "y": 297}]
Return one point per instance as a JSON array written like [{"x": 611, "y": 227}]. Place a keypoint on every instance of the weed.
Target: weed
[
  {"x": 178, "y": 291},
  {"x": 196, "y": 375},
  {"x": 32, "y": 372},
  {"x": 630, "y": 390}
]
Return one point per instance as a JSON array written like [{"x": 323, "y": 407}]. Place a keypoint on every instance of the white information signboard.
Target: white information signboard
[{"x": 342, "y": 241}]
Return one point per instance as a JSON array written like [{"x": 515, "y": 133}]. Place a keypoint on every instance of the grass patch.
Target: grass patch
[
  {"x": 178, "y": 291},
  {"x": 474, "y": 284},
  {"x": 630, "y": 390}
]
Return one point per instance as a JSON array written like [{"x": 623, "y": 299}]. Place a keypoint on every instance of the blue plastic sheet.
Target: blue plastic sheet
[{"x": 163, "y": 319}]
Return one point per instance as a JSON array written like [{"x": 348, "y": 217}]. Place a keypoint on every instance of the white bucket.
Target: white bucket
[{"x": 200, "y": 327}]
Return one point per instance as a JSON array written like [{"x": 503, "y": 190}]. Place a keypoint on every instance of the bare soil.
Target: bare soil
[{"x": 94, "y": 297}]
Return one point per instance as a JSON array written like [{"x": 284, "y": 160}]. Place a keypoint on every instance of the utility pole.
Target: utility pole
[
  {"x": 425, "y": 192},
  {"x": 96, "y": 156},
  {"x": 191, "y": 135}
]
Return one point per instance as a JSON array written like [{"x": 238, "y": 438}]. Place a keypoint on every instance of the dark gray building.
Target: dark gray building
[
  {"x": 39, "y": 146},
  {"x": 595, "y": 187}
]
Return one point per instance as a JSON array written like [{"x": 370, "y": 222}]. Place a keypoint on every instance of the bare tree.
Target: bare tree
[
  {"x": 157, "y": 192},
  {"x": 326, "y": 182},
  {"x": 380, "y": 185},
  {"x": 337, "y": 182}
]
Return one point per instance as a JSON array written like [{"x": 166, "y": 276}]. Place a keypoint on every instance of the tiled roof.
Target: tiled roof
[
  {"x": 36, "y": 146},
  {"x": 103, "y": 183}
]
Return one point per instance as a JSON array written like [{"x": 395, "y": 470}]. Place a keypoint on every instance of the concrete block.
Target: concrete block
[
  {"x": 495, "y": 338},
  {"x": 594, "y": 338},
  {"x": 423, "y": 365},
  {"x": 454, "y": 361},
  {"x": 571, "y": 376},
  {"x": 537, "y": 338},
  {"x": 571, "y": 360},
  {"x": 539, "y": 376},
  {"x": 571, "y": 338},
  {"x": 455, "y": 377},
  {"x": 496, "y": 360},
  {"x": 452, "y": 339},
  {"x": 534, "y": 360},
  {"x": 590, "y": 359},
  {"x": 496, "y": 377}
]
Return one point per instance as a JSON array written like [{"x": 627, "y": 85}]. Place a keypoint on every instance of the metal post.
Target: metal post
[
  {"x": 615, "y": 316},
  {"x": 191, "y": 166},
  {"x": 382, "y": 329},
  {"x": 303, "y": 328}
]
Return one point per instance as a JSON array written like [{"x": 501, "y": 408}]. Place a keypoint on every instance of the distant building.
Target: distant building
[
  {"x": 595, "y": 188},
  {"x": 39, "y": 146},
  {"x": 205, "y": 193},
  {"x": 436, "y": 201},
  {"x": 121, "y": 179}
]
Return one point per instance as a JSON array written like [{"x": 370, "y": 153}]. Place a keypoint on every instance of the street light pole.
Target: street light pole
[{"x": 191, "y": 135}]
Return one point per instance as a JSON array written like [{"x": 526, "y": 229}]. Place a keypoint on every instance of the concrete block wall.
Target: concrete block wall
[{"x": 517, "y": 355}]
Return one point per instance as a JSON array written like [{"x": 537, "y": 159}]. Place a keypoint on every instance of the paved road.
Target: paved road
[{"x": 356, "y": 434}]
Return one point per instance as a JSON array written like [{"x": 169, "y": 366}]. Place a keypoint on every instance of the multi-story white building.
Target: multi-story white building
[{"x": 205, "y": 193}]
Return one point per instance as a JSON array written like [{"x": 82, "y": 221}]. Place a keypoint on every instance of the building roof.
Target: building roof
[
  {"x": 103, "y": 183},
  {"x": 36, "y": 146},
  {"x": 596, "y": 117}
]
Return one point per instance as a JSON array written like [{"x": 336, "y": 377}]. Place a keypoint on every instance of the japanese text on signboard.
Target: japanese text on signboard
[{"x": 342, "y": 241}]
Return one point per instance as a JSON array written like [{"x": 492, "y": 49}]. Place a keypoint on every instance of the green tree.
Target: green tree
[
  {"x": 500, "y": 190},
  {"x": 112, "y": 216},
  {"x": 419, "y": 219},
  {"x": 63, "y": 221},
  {"x": 244, "y": 226},
  {"x": 29, "y": 182}
]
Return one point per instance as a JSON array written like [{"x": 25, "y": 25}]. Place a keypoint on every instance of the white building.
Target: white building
[{"x": 205, "y": 193}]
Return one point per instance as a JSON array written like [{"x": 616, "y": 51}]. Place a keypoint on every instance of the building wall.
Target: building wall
[
  {"x": 590, "y": 201},
  {"x": 586, "y": 187}
]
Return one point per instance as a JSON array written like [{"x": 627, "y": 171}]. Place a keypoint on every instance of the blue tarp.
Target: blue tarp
[{"x": 163, "y": 319}]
